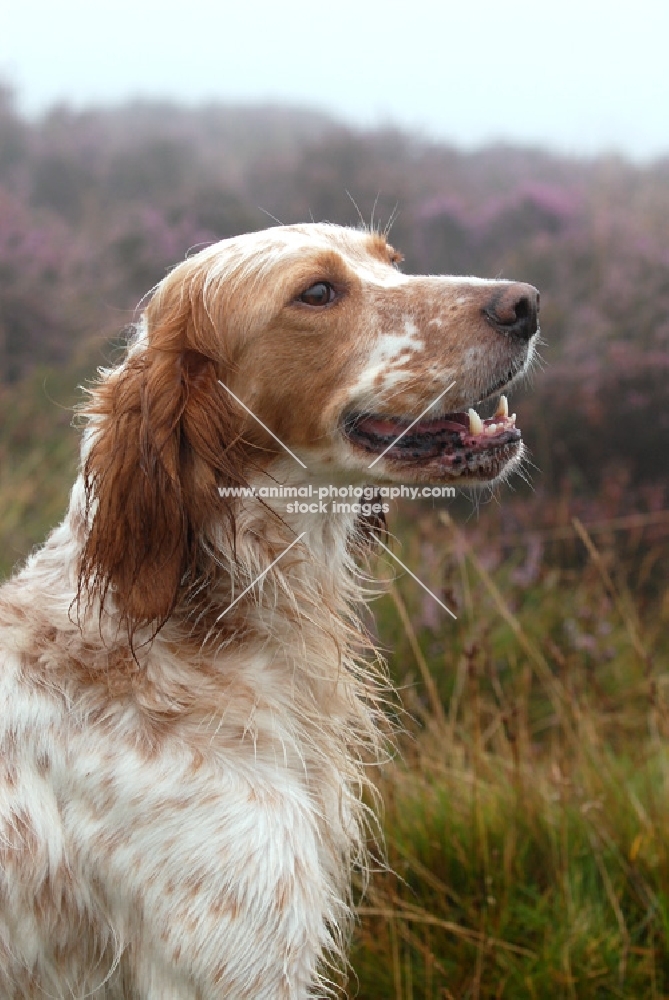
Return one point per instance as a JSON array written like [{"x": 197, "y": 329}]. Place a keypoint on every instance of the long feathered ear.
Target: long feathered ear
[{"x": 165, "y": 436}]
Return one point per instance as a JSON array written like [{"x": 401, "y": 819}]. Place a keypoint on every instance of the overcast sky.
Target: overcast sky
[{"x": 581, "y": 76}]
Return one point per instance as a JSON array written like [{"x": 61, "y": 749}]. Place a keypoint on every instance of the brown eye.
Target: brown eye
[{"x": 320, "y": 294}]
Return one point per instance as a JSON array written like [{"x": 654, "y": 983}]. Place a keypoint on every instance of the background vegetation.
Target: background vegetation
[{"x": 527, "y": 816}]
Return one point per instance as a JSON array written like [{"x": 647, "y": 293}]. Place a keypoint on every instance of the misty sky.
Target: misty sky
[{"x": 582, "y": 76}]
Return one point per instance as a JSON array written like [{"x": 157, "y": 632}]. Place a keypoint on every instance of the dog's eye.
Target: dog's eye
[{"x": 320, "y": 294}]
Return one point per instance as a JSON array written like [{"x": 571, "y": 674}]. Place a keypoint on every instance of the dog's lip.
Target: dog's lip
[
  {"x": 384, "y": 425},
  {"x": 458, "y": 441},
  {"x": 458, "y": 422}
]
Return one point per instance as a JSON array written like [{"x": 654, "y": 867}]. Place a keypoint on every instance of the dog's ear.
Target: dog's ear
[{"x": 164, "y": 436}]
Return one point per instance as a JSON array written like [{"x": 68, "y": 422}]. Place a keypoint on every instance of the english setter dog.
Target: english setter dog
[{"x": 187, "y": 713}]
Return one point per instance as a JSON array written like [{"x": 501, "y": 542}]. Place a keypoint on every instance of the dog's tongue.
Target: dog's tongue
[{"x": 386, "y": 427}]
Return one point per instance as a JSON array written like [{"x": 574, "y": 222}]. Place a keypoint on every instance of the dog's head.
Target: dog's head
[{"x": 305, "y": 335}]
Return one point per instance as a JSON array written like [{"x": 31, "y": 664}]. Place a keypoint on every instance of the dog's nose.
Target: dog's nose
[{"x": 514, "y": 310}]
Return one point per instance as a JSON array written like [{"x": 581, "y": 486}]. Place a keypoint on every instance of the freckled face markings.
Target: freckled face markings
[{"x": 390, "y": 358}]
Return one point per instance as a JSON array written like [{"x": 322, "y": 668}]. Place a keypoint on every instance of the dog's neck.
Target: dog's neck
[{"x": 313, "y": 554}]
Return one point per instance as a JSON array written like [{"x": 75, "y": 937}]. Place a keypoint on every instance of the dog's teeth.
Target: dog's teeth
[
  {"x": 475, "y": 422},
  {"x": 512, "y": 418},
  {"x": 491, "y": 429},
  {"x": 502, "y": 407}
]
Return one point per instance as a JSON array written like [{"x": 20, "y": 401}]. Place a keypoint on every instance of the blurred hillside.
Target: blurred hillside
[{"x": 96, "y": 205}]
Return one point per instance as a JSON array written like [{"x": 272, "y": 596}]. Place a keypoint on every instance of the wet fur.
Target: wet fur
[{"x": 181, "y": 780}]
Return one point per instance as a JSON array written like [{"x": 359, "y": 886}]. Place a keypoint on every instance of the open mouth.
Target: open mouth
[{"x": 461, "y": 445}]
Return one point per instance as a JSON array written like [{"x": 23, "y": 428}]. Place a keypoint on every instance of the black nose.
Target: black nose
[{"x": 514, "y": 310}]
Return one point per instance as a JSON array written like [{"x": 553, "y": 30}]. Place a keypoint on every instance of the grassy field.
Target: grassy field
[
  {"x": 526, "y": 817},
  {"x": 38, "y": 460}
]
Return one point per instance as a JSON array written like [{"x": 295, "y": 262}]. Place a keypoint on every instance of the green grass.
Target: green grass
[
  {"x": 527, "y": 817},
  {"x": 38, "y": 460}
]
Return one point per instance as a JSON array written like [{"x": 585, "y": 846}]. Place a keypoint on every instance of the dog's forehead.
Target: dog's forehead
[
  {"x": 367, "y": 252},
  {"x": 357, "y": 243}
]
